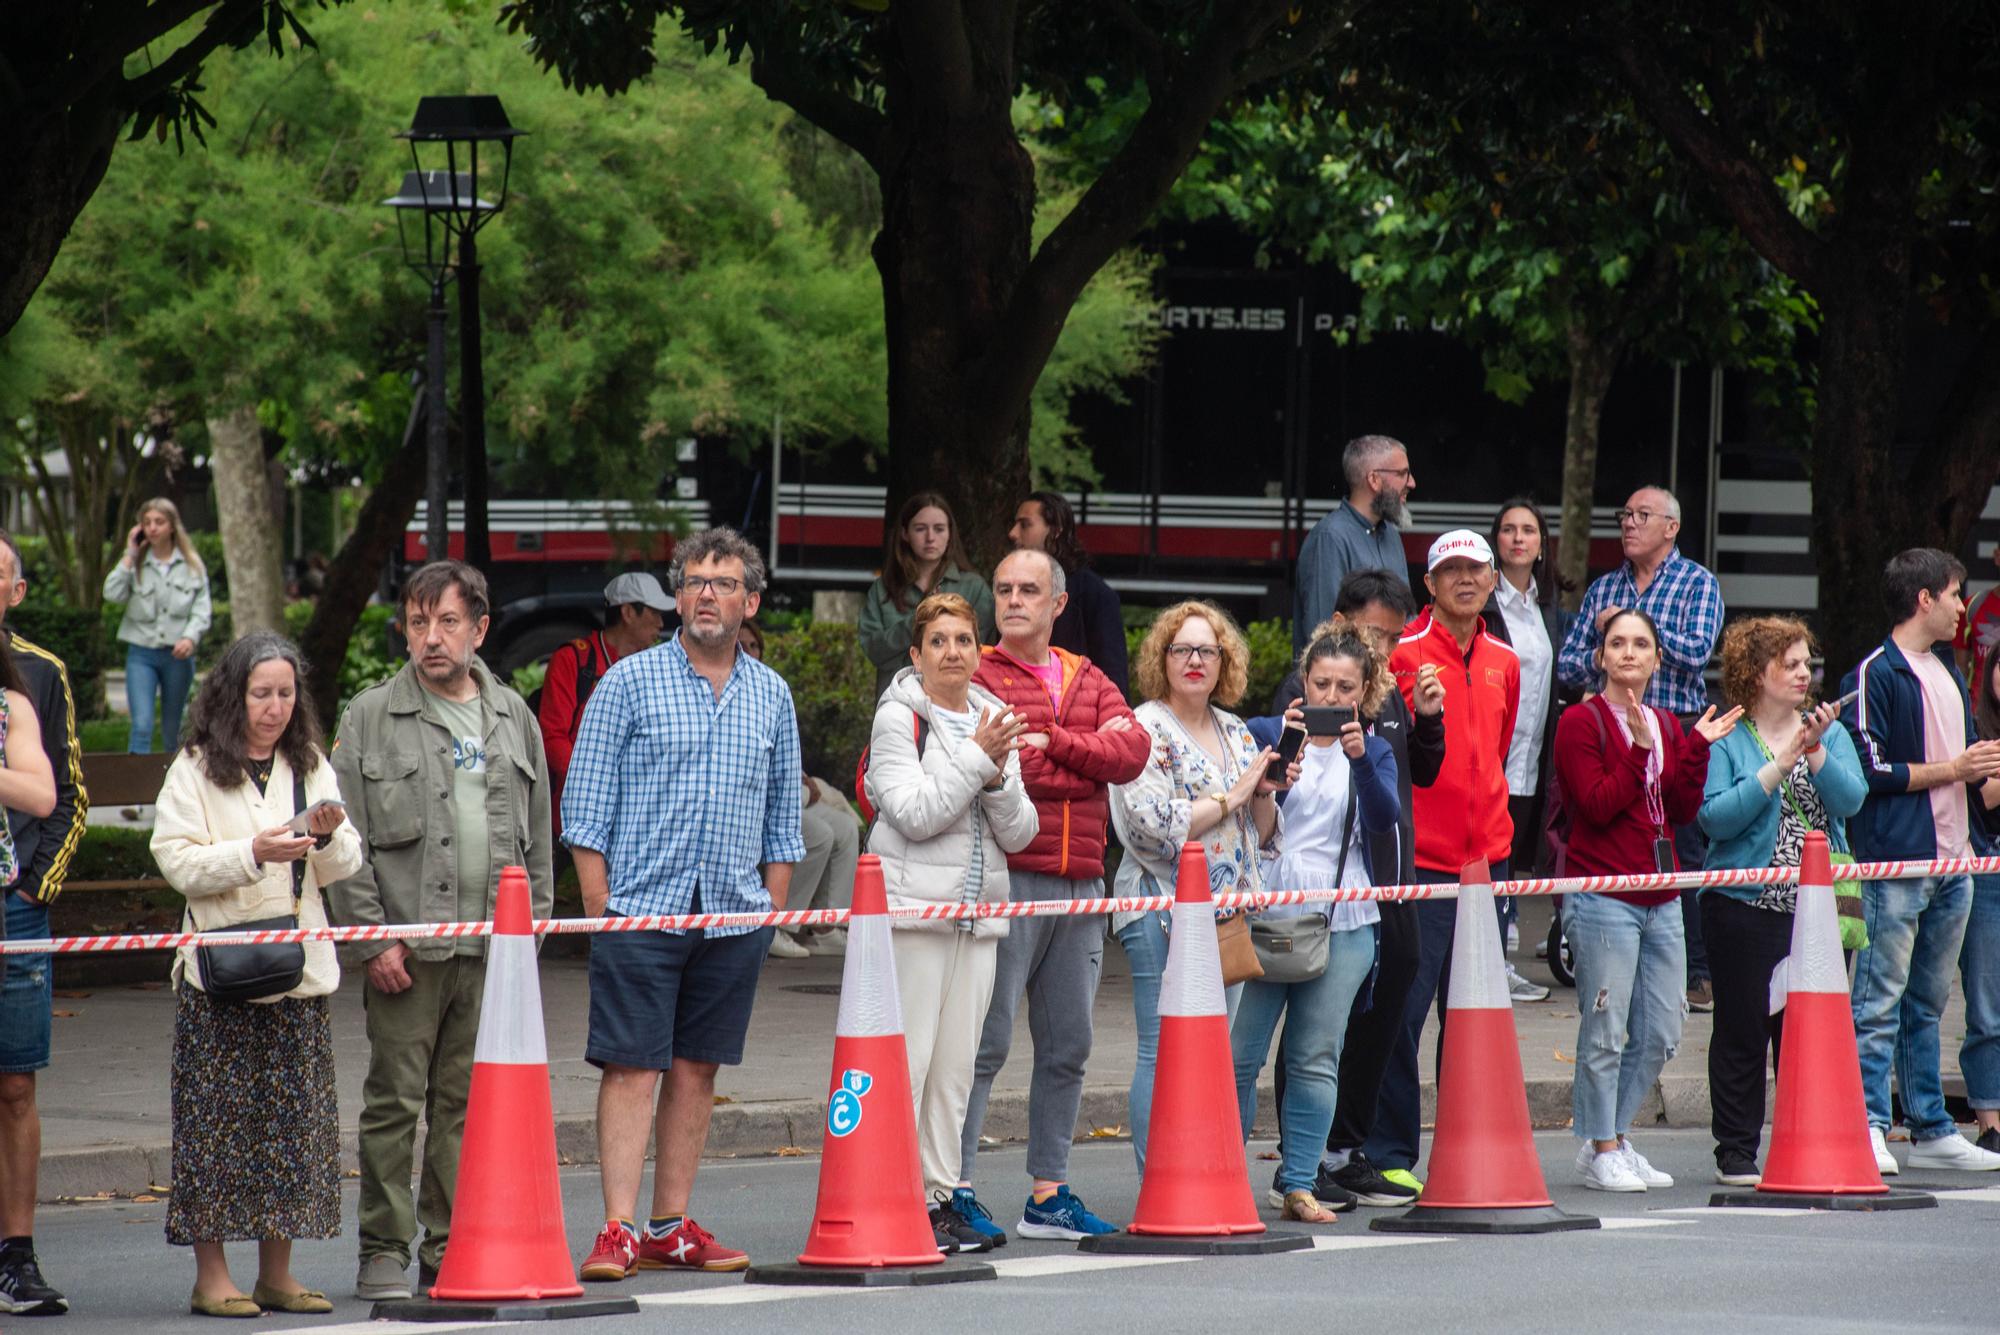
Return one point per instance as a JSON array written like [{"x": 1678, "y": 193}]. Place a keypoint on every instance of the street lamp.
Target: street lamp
[
  {"x": 422, "y": 206},
  {"x": 456, "y": 127}
]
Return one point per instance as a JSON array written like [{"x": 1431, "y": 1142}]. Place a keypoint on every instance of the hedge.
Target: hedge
[{"x": 833, "y": 690}]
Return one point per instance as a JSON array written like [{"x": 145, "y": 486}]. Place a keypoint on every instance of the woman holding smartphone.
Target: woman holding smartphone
[
  {"x": 1629, "y": 776},
  {"x": 164, "y": 587}
]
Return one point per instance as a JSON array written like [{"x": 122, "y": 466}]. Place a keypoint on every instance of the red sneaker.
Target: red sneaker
[
  {"x": 689, "y": 1247},
  {"x": 615, "y": 1256}
]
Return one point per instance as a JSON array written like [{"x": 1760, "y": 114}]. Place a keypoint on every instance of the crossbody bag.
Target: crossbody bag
[
  {"x": 266, "y": 969},
  {"x": 1294, "y": 950}
]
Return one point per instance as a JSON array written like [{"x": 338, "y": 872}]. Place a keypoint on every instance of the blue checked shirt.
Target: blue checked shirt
[
  {"x": 681, "y": 791},
  {"x": 1684, "y": 601}
]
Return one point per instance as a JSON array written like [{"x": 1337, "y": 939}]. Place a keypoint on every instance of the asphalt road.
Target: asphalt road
[{"x": 1663, "y": 1262}]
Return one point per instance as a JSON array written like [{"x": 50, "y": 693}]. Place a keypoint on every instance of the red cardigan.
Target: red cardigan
[
  {"x": 1603, "y": 778},
  {"x": 1067, "y": 779}
]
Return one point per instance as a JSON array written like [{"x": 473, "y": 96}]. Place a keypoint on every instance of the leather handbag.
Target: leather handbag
[
  {"x": 1239, "y": 958},
  {"x": 1294, "y": 950},
  {"x": 268, "y": 969}
]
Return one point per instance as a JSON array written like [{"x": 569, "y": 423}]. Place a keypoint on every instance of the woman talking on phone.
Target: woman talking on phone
[
  {"x": 1629, "y": 777},
  {"x": 164, "y": 587}
]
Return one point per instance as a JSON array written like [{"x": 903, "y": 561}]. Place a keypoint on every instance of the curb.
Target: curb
[{"x": 749, "y": 1130}]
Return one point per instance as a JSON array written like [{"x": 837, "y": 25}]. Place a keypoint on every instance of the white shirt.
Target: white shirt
[
  {"x": 1311, "y": 818},
  {"x": 1530, "y": 636}
]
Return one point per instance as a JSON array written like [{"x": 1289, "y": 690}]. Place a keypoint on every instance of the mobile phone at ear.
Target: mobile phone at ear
[
  {"x": 1846, "y": 700},
  {"x": 1327, "y": 720},
  {"x": 1289, "y": 742}
]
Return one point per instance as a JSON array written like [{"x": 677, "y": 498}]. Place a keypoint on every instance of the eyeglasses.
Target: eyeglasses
[
  {"x": 722, "y": 585},
  {"x": 1201, "y": 653},
  {"x": 1636, "y": 518},
  {"x": 1404, "y": 471}
]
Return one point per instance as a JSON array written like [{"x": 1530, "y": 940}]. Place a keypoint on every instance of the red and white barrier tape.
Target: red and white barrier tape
[{"x": 1034, "y": 908}]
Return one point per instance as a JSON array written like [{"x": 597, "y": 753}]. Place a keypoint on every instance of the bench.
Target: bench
[{"x": 115, "y": 779}]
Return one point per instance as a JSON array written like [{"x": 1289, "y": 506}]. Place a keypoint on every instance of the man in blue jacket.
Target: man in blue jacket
[{"x": 1926, "y": 767}]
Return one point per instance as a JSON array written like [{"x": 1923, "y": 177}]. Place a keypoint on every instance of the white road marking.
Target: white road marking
[
  {"x": 1070, "y": 1263},
  {"x": 1740, "y": 1212},
  {"x": 1634, "y": 1221},
  {"x": 1351, "y": 1242},
  {"x": 736, "y": 1295},
  {"x": 1978, "y": 1195}
]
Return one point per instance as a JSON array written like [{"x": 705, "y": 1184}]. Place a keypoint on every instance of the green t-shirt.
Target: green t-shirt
[{"x": 466, "y": 723}]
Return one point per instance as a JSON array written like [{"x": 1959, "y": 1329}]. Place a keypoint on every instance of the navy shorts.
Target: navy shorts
[
  {"x": 656, "y": 996},
  {"x": 26, "y": 993}
]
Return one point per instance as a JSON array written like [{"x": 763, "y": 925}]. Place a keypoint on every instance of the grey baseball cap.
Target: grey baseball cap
[{"x": 637, "y": 587}]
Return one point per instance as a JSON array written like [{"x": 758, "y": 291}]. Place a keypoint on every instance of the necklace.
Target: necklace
[{"x": 260, "y": 770}]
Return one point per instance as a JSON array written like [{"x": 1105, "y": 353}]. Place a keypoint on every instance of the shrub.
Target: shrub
[
  {"x": 112, "y": 853},
  {"x": 1270, "y": 661},
  {"x": 77, "y": 638},
  {"x": 367, "y": 660},
  {"x": 833, "y": 689}
]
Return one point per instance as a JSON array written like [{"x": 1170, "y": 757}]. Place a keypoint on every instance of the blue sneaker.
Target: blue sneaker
[
  {"x": 1063, "y": 1217},
  {"x": 976, "y": 1216}
]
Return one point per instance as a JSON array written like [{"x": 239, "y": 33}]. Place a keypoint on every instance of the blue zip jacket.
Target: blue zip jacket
[
  {"x": 1888, "y": 727},
  {"x": 1741, "y": 819}
]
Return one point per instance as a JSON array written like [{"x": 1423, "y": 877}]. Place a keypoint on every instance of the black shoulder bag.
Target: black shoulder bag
[{"x": 268, "y": 969}]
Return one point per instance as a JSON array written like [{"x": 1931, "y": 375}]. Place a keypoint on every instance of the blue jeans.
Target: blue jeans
[
  {"x": 1145, "y": 942},
  {"x": 1901, "y": 980},
  {"x": 1631, "y": 981},
  {"x": 1979, "y": 968},
  {"x": 26, "y": 995},
  {"x": 150, "y": 673},
  {"x": 1315, "y": 1014}
]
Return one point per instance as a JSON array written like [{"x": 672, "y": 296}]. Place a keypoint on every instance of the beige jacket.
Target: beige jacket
[{"x": 201, "y": 839}]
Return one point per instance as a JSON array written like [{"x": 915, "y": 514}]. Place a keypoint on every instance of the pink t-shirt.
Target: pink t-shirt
[
  {"x": 1051, "y": 676},
  {"x": 1944, "y": 738}
]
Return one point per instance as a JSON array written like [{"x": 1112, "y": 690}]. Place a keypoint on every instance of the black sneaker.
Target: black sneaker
[
  {"x": 1369, "y": 1187},
  {"x": 1989, "y": 1140},
  {"x": 953, "y": 1234},
  {"x": 23, "y": 1291},
  {"x": 1734, "y": 1168},
  {"x": 1326, "y": 1191}
]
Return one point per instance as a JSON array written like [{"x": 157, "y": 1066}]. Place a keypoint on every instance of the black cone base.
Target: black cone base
[
  {"x": 494, "y": 1309},
  {"x": 950, "y": 1271},
  {"x": 1207, "y": 1244},
  {"x": 1785, "y": 1200},
  {"x": 1515, "y": 1219}
]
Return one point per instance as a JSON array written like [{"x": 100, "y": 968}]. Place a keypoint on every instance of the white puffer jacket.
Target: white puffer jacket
[{"x": 931, "y": 809}]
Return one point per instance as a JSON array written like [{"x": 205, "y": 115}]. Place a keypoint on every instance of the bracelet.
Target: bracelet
[{"x": 1814, "y": 749}]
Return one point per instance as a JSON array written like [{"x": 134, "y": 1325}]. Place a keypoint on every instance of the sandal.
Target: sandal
[
  {"x": 303, "y": 1301},
  {"x": 1304, "y": 1207},
  {"x": 201, "y": 1305}
]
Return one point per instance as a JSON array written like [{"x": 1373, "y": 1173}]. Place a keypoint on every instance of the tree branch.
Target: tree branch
[
  {"x": 227, "y": 20},
  {"x": 1302, "y": 42},
  {"x": 851, "y": 121},
  {"x": 1153, "y": 53},
  {"x": 1960, "y": 464},
  {"x": 934, "y": 41},
  {"x": 1745, "y": 189},
  {"x": 104, "y": 58}
]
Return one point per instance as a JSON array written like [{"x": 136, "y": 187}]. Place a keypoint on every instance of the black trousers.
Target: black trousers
[{"x": 1744, "y": 945}]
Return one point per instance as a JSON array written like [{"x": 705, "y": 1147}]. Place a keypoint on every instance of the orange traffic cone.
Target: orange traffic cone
[
  {"x": 1820, "y": 1151},
  {"x": 1195, "y": 1195},
  {"x": 1485, "y": 1175},
  {"x": 871, "y": 1221},
  {"x": 509, "y": 1255}
]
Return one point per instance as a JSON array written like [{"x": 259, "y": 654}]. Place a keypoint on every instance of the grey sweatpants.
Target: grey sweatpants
[{"x": 1056, "y": 961}]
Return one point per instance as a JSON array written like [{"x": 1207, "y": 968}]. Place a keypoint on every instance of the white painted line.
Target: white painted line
[
  {"x": 1070, "y": 1263},
  {"x": 1327, "y": 1242},
  {"x": 736, "y": 1295},
  {"x": 1746, "y": 1212},
  {"x": 1634, "y": 1221},
  {"x": 407, "y": 1327},
  {"x": 1978, "y": 1195}
]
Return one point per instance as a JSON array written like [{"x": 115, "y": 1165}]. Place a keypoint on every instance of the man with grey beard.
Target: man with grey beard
[{"x": 1361, "y": 533}]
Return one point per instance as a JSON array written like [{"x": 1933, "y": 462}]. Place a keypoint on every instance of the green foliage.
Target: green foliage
[
  {"x": 833, "y": 690},
  {"x": 527, "y": 680},
  {"x": 367, "y": 660},
  {"x": 112, "y": 853},
  {"x": 1270, "y": 663}
]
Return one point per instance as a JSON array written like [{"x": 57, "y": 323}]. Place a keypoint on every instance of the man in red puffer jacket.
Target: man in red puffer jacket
[{"x": 1082, "y": 737}]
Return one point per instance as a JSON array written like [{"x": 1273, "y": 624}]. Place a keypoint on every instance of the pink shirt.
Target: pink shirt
[
  {"x": 1051, "y": 677},
  {"x": 1944, "y": 738}
]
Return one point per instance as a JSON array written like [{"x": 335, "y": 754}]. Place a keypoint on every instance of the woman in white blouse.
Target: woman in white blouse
[{"x": 1206, "y": 781}]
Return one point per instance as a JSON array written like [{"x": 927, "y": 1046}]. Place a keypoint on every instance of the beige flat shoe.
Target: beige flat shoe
[
  {"x": 234, "y": 1306},
  {"x": 1304, "y": 1207},
  {"x": 305, "y": 1301}
]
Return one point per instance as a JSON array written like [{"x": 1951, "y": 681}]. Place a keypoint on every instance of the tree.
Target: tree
[
  {"x": 925, "y": 94},
  {"x": 1880, "y": 118}
]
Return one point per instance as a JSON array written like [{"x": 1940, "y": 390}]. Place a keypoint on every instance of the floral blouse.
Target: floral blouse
[
  {"x": 1156, "y": 808},
  {"x": 9, "y": 871}
]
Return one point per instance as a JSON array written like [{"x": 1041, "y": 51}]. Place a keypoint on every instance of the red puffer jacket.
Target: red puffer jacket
[{"x": 1067, "y": 780}]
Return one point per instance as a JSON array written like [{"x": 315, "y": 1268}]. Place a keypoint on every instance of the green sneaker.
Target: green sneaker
[{"x": 1403, "y": 1177}]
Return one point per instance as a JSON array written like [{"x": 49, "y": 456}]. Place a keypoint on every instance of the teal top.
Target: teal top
[{"x": 1741, "y": 819}]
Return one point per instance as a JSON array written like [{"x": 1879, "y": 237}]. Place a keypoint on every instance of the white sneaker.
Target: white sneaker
[
  {"x": 1953, "y": 1151},
  {"x": 1606, "y": 1170},
  {"x": 1513, "y": 937},
  {"x": 1885, "y": 1162},
  {"x": 1642, "y": 1170},
  {"x": 785, "y": 946},
  {"x": 1520, "y": 989},
  {"x": 832, "y": 942}
]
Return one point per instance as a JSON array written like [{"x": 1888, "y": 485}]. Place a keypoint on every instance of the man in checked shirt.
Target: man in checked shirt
[{"x": 683, "y": 797}]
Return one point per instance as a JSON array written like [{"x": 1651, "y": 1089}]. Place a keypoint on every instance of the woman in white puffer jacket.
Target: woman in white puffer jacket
[{"x": 948, "y": 812}]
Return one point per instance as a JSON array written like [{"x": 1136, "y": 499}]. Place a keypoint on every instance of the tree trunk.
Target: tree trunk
[
  {"x": 250, "y": 541},
  {"x": 1593, "y": 359},
  {"x": 958, "y": 211},
  {"x": 60, "y": 159}
]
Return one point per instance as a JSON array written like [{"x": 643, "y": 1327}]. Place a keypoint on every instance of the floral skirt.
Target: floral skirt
[{"x": 256, "y": 1133}]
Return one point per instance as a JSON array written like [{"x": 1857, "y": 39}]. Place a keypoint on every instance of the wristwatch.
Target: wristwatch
[{"x": 1221, "y": 798}]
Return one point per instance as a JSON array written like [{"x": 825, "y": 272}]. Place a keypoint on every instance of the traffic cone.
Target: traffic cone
[
  {"x": 871, "y": 1222},
  {"x": 1195, "y": 1195},
  {"x": 1820, "y": 1152},
  {"x": 1485, "y": 1175},
  {"x": 508, "y": 1257}
]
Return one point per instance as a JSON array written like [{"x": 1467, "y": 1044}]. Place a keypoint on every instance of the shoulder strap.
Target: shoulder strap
[
  {"x": 1784, "y": 780},
  {"x": 1346, "y": 834},
  {"x": 299, "y": 866}
]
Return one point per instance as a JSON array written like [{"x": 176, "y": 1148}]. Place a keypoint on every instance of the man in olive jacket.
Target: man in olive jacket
[{"x": 444, "y": 777}]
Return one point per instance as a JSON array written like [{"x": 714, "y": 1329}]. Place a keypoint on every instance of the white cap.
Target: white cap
[
  {"x": 637, "y": 586},
  {"x": 1459, "y": 544}
]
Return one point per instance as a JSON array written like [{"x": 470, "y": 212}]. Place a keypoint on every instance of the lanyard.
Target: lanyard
[{"x": 1784, "y": 781}]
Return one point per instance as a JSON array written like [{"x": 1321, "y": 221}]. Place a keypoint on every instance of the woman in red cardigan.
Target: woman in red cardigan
[{"x": 1629, "y": 775}]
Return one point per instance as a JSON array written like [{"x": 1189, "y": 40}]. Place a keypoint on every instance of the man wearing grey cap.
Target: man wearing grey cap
[{"x": 635, "y": 612}]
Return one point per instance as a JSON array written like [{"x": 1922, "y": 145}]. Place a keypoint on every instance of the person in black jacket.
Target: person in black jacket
[
  {"x": 1092, "y": 623},
  {"x": 43, "y": 846},
  {"x": 1380, "y": 601}
]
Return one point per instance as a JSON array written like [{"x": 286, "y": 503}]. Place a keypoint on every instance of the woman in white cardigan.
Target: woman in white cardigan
[
  {"x": 256, "y": 1148},
  {"x": 946, "y": 785}
]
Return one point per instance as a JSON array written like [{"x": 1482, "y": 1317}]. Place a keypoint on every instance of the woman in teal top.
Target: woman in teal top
[
  {"x": 1781, "y": 775},
  {"x": 924, "y": 558}
]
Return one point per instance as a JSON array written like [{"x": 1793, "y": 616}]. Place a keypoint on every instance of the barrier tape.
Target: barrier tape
[{"x": 1034, "y": 908}]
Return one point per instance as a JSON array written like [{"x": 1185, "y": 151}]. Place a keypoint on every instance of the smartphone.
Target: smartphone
[
  {"x": 1289, "y": 742},
  {"x": 1846, "y": 700},
  {"x": 299, "y": 823},
  {"x": 1328, "y": 720}
]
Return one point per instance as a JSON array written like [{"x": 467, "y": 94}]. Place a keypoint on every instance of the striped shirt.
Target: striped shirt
[
  {"x": 1684, "y": 601},
  {"x": 682, "y": 792}
]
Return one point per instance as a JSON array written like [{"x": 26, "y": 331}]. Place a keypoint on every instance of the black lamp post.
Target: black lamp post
[{"x": 449, "y": 193}]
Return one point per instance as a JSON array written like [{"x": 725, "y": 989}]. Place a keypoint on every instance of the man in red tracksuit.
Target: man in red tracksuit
[
  {"x": 635, "y": 611},
  {"x": 1461, "y": 817},
  {"x": 1082, "y": 737}
]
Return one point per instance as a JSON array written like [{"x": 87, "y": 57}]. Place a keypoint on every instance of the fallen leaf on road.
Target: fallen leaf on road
[
  {"x": 1105, "y": 1132},
  {"x": 1268, "y": 1154},
  {"x": 721, "y": 1099},
  {"x": 162, "y": 1188},
  {"x": 143, "y": 1199},
  {"x": 790, "y": 1152},
  {"x": 73, "y": 996},
  {"x": 1562, "y": 1057},
  {"x": 64, "y": 1015}
]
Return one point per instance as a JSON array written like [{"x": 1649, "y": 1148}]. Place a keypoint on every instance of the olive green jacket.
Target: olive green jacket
[
  {"x": 884, "y": 628},
  {"x": 393, "y": 759}
]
